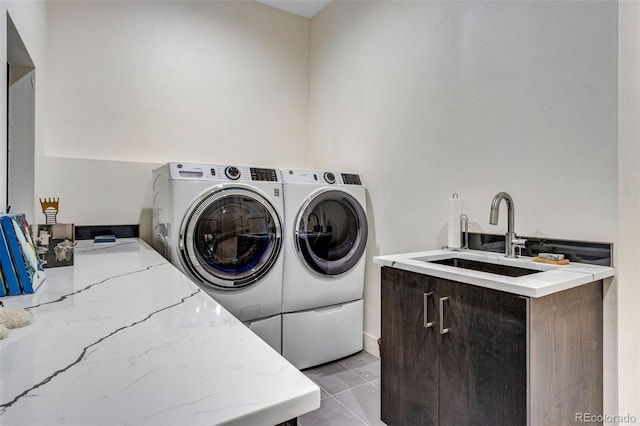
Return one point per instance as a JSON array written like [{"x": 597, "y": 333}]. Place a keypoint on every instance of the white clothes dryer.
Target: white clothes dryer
[
  {"x": 324, "y": 245},
  {"x": 222, "y": 227}
]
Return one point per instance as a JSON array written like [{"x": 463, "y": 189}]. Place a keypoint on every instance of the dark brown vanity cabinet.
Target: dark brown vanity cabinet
[{"x": 458, "y": 354}]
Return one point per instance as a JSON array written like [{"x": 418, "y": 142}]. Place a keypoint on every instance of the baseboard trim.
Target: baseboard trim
[{"x": 371, "y": 344}]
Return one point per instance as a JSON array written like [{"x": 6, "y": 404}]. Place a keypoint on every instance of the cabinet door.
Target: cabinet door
[
  {"x": 409, "y": 356},
  {"x": 482, "y": 356}
]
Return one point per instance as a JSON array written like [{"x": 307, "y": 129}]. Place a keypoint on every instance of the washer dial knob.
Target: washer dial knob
[
  {"x": 232, "y": 173},
  {"x": 329, "y": 177}
]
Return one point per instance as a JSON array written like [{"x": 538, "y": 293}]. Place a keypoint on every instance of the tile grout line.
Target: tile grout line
[
  {"x": 366, "y": 383},
  {"x": 356, "y": 373},
  {"x": 347, "y": 408},
  {"x": 350, "y": 389}
]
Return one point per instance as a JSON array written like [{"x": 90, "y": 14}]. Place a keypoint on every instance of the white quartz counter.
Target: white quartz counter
[
  {"x": 123, "y": 338},
  {"x": 551, "y": 278}
]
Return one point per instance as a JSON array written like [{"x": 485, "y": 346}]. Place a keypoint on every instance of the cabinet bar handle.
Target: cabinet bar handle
[
  {"x": 427, "y": 323},
  {"x": 442, "y": 329}
]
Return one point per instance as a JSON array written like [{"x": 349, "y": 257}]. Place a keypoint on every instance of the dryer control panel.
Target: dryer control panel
[
  {"x": 351, "y": 179},
  {"x": 319, "y": 177}
]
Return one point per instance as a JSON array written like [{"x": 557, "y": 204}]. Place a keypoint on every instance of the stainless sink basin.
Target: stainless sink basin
[{"x": 493, "y": 268}]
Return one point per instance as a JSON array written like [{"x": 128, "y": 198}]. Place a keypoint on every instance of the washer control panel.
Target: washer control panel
[
  {"x": 268, "y": 175},
  {"x": 222, "y": 172}
]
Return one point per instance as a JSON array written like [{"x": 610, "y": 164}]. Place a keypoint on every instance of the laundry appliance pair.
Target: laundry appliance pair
[{"x": 282, "y": 250}]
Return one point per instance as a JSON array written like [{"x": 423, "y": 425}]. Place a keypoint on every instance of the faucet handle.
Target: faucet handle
[{"x": 519, "y": 244}]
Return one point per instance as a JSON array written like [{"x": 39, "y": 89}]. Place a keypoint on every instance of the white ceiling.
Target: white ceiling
[{"x": 305, "y": 8}]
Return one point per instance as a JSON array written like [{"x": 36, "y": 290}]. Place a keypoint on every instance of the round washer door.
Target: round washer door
[
  {"x": 331, "y": 232},
  {"x": 230, "y": 237}
]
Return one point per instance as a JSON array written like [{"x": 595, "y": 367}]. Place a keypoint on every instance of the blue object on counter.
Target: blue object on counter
[
  {"x": 104, "y": 239},
  {"x": 10, "y": 279},
  {"x": 25, "y": 277}
]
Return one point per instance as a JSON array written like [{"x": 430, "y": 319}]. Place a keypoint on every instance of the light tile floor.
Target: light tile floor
[{"x": 349, "y": 392}]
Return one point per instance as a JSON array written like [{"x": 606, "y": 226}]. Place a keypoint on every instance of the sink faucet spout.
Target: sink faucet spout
[
  {"x": 510, "y": 248},
  {"x": 495, "y": 209}
]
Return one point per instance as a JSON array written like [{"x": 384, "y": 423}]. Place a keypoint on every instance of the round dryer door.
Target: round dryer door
[
  {"x": 331, "y": 232},
  {"x": 230, "y": 237}
]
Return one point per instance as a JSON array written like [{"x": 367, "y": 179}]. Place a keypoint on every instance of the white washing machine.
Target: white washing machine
[
  {"x": 324, "y": 245},
  {"x": 222, "y": 226}
]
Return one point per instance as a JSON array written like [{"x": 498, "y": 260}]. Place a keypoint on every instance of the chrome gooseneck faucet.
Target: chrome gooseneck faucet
[{"x": 511, "y": 242}]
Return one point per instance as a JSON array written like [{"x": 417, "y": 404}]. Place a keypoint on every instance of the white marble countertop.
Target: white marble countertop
[
  {"x": 551, "y": 278},
  {"x": 123, "y": 338}
]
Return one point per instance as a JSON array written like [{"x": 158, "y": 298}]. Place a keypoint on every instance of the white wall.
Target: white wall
[
  {"x": 425, "y": 99},
  {"x": 99, "y": 192},
  {"x": 628, "y": 252},
  {"x": 143, "y": 83}
]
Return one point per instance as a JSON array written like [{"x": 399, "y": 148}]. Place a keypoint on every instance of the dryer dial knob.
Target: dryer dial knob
[
  {"x": 232, "y": 173},
  {"x": 329, "y": 177}
]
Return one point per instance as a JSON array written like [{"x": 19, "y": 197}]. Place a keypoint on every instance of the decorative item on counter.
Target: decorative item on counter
[
  {"x": 13, "y": 318},
  {"x": 54, "y": 243},
  {"x": 551, "y": 258},
  {"x": 453, "y": 234},
  {"x": 34, "y": 268},
  {"x": 22, "y": 271},
  {"x": 50, "y": 209}
]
